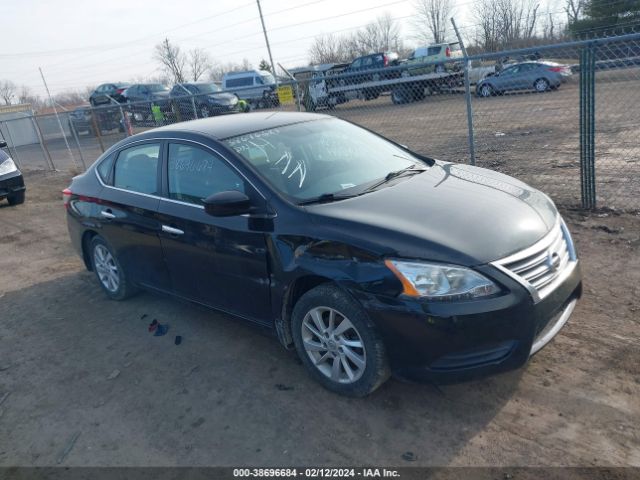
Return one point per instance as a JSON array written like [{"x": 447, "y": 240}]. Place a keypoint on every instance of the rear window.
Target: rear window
[
  {"x": 104, "y": 169},
  {"x": 433, "y": 51},
  {"x": 137, "y": 169}
]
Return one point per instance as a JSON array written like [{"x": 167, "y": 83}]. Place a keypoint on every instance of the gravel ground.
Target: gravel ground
[{"x": 82, "y": 382}]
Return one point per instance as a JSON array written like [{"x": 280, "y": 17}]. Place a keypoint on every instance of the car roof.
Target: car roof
[{"x": 227, "y": 126}]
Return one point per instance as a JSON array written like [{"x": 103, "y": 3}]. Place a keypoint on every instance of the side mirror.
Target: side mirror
[
  {"x": 227, "y": 204},
  {"x": 3, "y": 144}
]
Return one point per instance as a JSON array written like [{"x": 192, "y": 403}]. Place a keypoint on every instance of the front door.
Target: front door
[{"x": 217, "y": 261}]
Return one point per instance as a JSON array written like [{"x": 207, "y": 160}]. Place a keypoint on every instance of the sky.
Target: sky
[{"x": 89, "y": 42}]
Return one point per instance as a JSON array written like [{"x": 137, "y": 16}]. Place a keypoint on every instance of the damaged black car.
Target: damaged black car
[{"x": 366, "y": 258}]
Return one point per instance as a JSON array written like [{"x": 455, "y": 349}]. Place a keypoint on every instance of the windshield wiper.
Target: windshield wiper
[
  {"x": 325, "y": 198},
  {"x": 391, "y": 175}
]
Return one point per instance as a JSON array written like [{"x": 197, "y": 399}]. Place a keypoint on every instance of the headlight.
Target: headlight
[
  {"x": 441, "y": 282},
  {"x": 7, "y": 167}
]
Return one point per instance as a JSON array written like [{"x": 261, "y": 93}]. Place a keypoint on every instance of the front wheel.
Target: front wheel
[
  {"x": 337, "y": 342},
  {"x": 205, "y": 111},
  {"x": 109, "y": 271}
]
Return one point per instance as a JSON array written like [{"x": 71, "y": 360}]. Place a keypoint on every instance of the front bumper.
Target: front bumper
[
  {"x": 447, "y": 343},
  {"x": 11, "y": 183}
]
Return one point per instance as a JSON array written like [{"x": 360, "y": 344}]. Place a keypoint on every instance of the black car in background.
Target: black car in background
[
  {"x": 208, "y": 99},
  {"x": 370, "y": 68},
  {"x": 101, "y": 94},
  {"x": 364, "y": 256},
  {"x": 141, "y": 96},
  {"x": 107, "y": 119},
  {"x": 11, "y": 181}
]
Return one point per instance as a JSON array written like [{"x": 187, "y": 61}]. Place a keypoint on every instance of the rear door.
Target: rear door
[
  {"x": 217, "y": 261},
  {"x": 128, "y": 214}
]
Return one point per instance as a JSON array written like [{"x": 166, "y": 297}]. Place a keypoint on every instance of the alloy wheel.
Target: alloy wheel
[
  {"x": 541, "y": 85},
  {"x": 106, "y": 268},
  {"x": 485, "y": 91},
  {"x": 334, "y": 345}
]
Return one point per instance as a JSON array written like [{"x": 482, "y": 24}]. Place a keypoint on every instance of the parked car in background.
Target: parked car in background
[
  {"x": 370, "y": 68},
  {"x": 107, "y": 119},
  {"x": 317, "y": 229},
  {"x": 258, "y": 87},
  {"x": 148, "y": 94},
  {"x": 11, "y": 181},
  {"x": 539, "y": 76},
  {"x": 438, "y": 57},
  {"x": 479, "y": 71},
  {"x": 208, "y": 99},
  {"x": 100, "y": 95}
]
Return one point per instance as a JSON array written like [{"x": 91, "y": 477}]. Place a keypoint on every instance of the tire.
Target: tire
[
  {"x": 439, "y": 69},
  {"x": 109, "y": 271},
  {"x": 353, "y": 370},
  {"x": 205, "y": 111},
  {"x": 541, "y": 85},
  {"x": 485, "y": 90},
  {"x": 16, "y": 198},
  {"x": 399, "y": 96}
]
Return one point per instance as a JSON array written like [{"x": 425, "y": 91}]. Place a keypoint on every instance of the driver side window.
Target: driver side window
[{"x": 195, "y": 174}]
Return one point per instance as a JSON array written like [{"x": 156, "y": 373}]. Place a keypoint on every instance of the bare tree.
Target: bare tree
[
  {"x": 431, "y": 19},
  {"x": 503, "y": 23},
  {"x": 379, "y": 36},
  {"x": 7, "y": 91},
  {"x": 574, "y": 9},
  {"x": 217, "y": 70},
  {"x": 172, "y": 60},
  {"x": 199, "y": 63},
  {"x": 328, "y": 49}
]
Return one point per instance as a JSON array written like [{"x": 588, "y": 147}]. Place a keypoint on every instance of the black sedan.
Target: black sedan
[
  {"x": 366, "y": 257},
  {"x": 11, "y": 182},
  {"x": 107, "y": 92},
  {"x": 202, "y": 100}
]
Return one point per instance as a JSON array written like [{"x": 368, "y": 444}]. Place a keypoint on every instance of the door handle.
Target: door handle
[
  {"x": 107, "y": 214},
  {"x": 171, "y": 230}
]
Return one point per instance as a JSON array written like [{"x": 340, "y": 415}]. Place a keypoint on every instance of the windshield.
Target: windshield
[
  {"x": 267, "y": 78},
  {"x": 208, "y": 88},
  {"x": 321, "y": 157}
]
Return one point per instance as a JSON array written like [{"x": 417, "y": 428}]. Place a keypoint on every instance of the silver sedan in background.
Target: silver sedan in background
[{"x": 538, "y": 76}]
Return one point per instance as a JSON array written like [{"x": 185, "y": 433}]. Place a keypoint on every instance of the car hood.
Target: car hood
[
  {"x": 449, "y": 213},
  {"x": 222, "y": 98}
]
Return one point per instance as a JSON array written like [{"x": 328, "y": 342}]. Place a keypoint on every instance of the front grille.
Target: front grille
[{"x": 542, "y": 265}]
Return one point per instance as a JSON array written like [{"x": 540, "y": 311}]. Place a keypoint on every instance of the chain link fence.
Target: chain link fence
[{"x": 562, "y": 117}]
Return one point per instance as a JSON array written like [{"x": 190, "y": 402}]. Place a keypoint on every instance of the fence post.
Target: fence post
[
  {"x": 13, "y": 145},
  {"x": 75, "y": 137},
  {"x": 96, "y": 128},
  {"x": 43, "y": 146},
  {"x": 587, "y": 126},
  {"x": 467, "y": 95}
]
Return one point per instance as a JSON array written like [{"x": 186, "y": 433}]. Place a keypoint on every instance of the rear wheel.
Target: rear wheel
[
  {"x": 337, "y": 342},
  {"x": 541, "y": 85},
  {"x": 110, "y": 273},
  {"x": 16, "y": 198},
  {"x": 205, "y": 111},
  {"x": 439, "y": 69}
]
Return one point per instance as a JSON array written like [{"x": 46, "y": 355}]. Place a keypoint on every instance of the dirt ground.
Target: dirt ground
[{"x": 82, "y": 382}]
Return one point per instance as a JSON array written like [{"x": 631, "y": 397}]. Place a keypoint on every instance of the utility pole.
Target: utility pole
[
  {"x": 266, "y": 39},
  {"x": 55, "y": 110}
]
